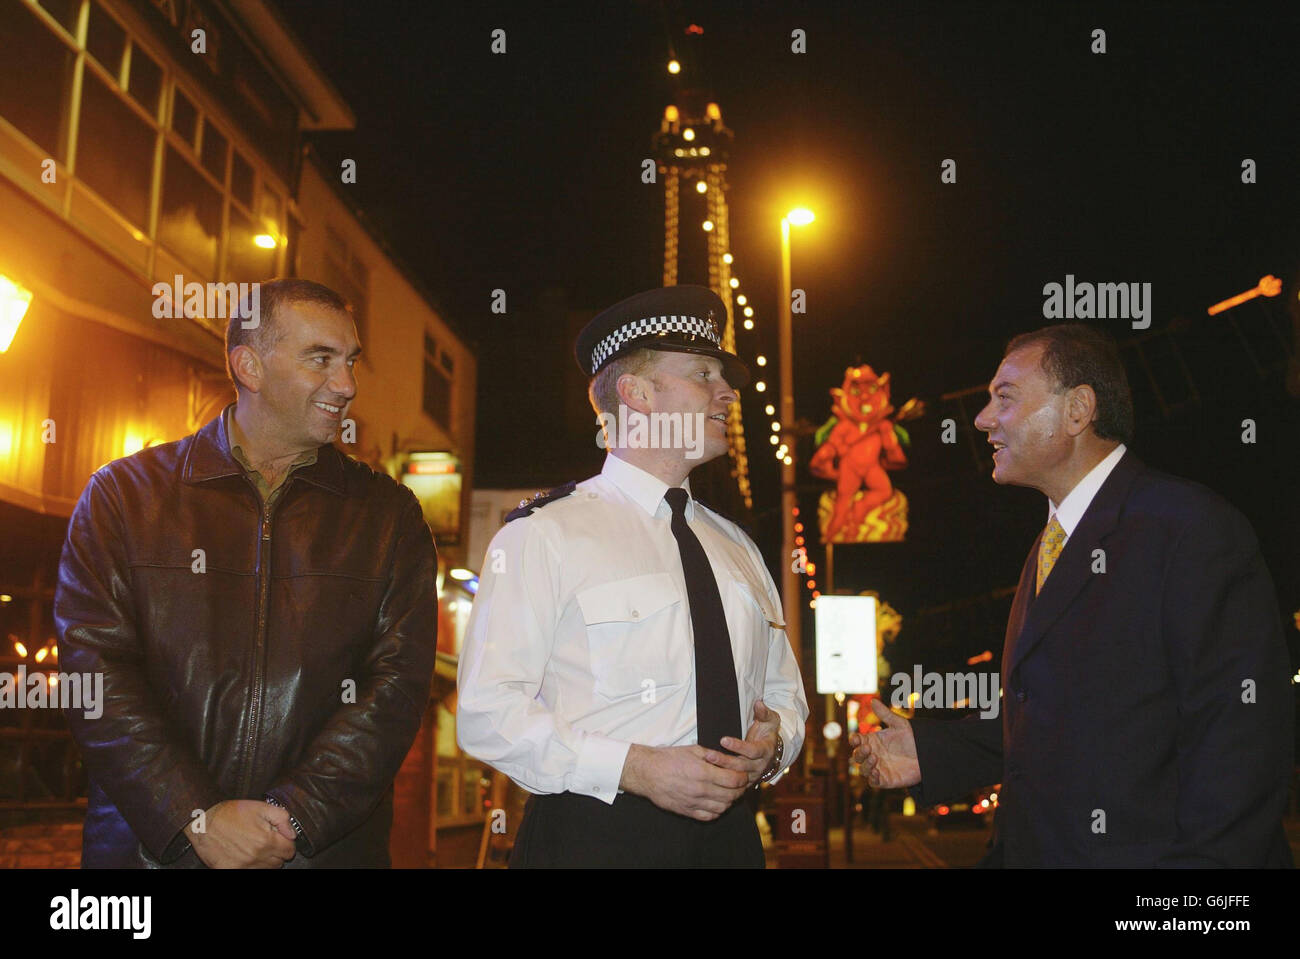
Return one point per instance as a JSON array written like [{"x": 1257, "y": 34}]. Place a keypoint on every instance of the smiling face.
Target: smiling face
[
  {"x": 307, "y": 381},
  {"x": 1026, "y": 422},
  {"x": 690, "y": 383}
]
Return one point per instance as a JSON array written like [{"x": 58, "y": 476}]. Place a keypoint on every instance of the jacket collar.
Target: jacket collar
[
  {"x": 209, "y": 458},
  {"x": 1032, "y": 616}
]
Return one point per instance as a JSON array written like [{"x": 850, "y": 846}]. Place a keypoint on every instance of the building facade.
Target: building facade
[{"x": 147, "y": 146}]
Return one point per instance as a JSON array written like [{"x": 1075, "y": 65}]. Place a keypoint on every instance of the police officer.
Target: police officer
[{"x": 626, "y": 660}]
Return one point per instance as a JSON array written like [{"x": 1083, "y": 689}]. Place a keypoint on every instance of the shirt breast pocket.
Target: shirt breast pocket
[
  {"x": 636, "y": 635},
  {"x": 755, "y": 616}
]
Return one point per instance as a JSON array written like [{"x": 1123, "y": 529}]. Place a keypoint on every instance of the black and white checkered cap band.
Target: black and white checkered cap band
[{"x": 652, "y": 326}]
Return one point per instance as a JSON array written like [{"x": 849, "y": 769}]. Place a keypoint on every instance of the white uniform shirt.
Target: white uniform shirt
[{"x": 579, "y": 643}]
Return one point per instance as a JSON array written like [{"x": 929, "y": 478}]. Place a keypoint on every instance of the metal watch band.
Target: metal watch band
[
  {"x": 776, "y": 760},
  {"x": 293, "y": 821}
]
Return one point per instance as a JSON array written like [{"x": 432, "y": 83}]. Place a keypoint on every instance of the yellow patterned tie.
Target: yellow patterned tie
[{"x": 1049, "y": 549}]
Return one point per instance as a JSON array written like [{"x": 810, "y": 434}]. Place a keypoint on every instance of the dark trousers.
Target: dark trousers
[{"x": 568, "y": 830}]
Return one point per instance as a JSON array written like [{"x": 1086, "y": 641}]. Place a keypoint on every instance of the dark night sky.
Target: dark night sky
[{"x": 522, "y": 172}]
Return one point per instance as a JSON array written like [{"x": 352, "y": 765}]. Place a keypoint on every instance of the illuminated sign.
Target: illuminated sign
[
  {"x": 435, "y": 479},
  {"x": 846, "y": 644}
]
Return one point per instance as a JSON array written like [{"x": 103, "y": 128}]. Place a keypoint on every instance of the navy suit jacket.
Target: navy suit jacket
[{"x": 1147, "y": 714}]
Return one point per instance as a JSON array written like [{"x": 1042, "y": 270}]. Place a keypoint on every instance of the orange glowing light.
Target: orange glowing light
[
  {"x": 430, "y": 468},
  {"x": 1267, "y": 286}
]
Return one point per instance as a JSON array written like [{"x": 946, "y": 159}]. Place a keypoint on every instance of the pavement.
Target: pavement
[{"x": 915, "y": 844}]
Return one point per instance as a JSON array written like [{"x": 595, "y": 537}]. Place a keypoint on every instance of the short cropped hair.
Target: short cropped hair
[
  {"x": 273, "y": 296},
  {"x": 603, "y": 389},
  {"x": 1075, "y": 354}
]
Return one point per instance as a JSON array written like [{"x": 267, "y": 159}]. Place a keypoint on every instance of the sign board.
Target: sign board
[
  {"x": 846, "y": 644},
  {"x": 434, "y": 477}
]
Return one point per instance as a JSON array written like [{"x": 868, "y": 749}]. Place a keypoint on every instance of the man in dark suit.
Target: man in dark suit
[{"x": 1147, "y": 716}]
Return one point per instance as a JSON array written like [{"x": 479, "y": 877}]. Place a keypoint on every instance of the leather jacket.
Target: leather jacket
[{"x": 246, "y": 652}]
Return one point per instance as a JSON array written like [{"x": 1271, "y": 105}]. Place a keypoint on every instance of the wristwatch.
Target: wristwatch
[
  {"x": 776, "y": 760},
  {"x": 297, "y": 827}
]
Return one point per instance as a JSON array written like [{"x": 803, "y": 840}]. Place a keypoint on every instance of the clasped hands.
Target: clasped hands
[
  {"x": 244, "y": 834},
  {"x": 703, "y": 783}
]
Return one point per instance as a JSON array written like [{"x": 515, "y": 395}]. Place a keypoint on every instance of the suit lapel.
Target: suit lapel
[
  {"x": 1024, "y": 598},
  {"x": 1073, "y": 568}
]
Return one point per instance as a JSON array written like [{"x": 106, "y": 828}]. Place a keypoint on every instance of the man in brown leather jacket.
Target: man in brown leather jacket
[{"x": 263, "y": 611}]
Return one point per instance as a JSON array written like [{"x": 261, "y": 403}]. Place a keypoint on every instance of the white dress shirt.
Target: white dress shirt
[
  {"x": 579, "y": 643},
  {"x": 1078, "y": 500}
]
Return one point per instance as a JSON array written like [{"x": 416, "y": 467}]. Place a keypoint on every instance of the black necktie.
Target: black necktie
[{"x": 717, "y": 702}]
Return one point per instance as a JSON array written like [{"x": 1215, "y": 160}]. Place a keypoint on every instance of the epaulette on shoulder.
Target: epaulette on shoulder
[{"x": 539, "y": 500}]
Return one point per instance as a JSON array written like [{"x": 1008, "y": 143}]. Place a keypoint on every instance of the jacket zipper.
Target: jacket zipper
[{"x": 259, "y": 650}]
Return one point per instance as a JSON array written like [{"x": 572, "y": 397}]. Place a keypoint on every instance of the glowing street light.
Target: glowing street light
[
  {"x": 14, "y": 301},
  {"x": 799, "y": 216}
]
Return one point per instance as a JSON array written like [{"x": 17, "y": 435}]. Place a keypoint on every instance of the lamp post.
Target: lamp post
[{"x": 789, "y": 578}]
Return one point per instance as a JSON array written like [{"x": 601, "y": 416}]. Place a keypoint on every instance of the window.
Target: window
[
  {"x": 64, "y": 11},
  {"x": 246, "y": 260},
  {"x": 241, "y": 179},
  {"x": 128, "y": 105},
  {"x": 185, "y": 117},
  {"x": 105, "y": 40},
  {"x": 437, "y": 386},
  {"x": 115, "y": 150},
  {"x": 190, "y": 221},
  {"x": 35, "y": 78},
  {"x": 214, "y": 152},
  {"x": 145, "y": 80}
]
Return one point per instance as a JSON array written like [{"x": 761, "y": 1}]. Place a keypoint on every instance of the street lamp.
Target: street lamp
[{"x": 789, "y": 578}]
